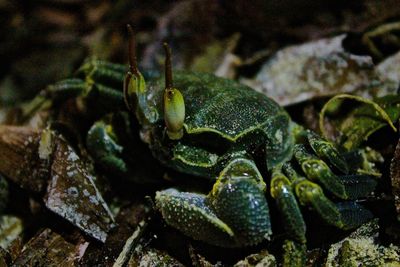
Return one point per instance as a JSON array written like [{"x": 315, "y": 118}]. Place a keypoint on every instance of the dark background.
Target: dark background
[{"x": 44, "y": 41}]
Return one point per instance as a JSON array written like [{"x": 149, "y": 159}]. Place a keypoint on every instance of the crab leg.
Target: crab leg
[
  {"x": 95, "y": 93},
  {"x": 358, "y": 185},
  {"x": 235, "y": 213},
  {"x": 100, "y": 99},
  {"x": 344, "y": 186},
  {"x": 66, "y": 88},
  {"x": 317, "y": 170},
  {"x": 344, "y": 215},
  {"x": 281, "y": 191},
  {"x": 310, "y": 193},
  {"x": 103, "y": 148},
  {"x": 99, "y": 71},
  {"x": 326, "y": 150}
]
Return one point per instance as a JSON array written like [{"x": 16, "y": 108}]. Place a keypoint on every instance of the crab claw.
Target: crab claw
[
  {"x": 326, "y": 150},
  {"x": 189, "y": 213},
  {"x": 234, "y": 214},
  {"x": 239, "y": 200},
  {"x": 317, "y": 170}
]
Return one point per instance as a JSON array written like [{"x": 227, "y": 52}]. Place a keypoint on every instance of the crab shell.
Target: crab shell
[{"x": 222, "y": 116}]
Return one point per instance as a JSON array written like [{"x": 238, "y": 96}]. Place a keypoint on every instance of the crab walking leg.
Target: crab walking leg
[
  {"x": 317, "y": 170},
  {"x": 235, "y": 213},
  {"x": 104, "y": 149},
  {"x": 66, "y": 88},
  {"x": 113, "y": 98},
  {"x": 310, "y": 193},
  {"x": 323, "y": 148},
  {"x": 343, "y": 186},
  {"x": 95, "y": 92},
  {"x": 343, "y": 215},
  {"x": 281, "y": 191},
  {"x": 99, "y": 71},
  {"x": 358, "y": 185},
  {"x": 294, "y": 248},
  {"x": 326, "y": 150}
]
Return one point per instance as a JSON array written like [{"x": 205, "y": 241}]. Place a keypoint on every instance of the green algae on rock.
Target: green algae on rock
[{"x": 362, "y": 248}]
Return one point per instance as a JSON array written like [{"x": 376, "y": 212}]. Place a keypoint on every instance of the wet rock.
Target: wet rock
[
  {"x": 389, "y": 70},
  {"x": 35, "y": 71},
  {"x": 19, "y": 158},
  {"x": 199, "y": 260},
  {"x": 30, "y": 158},
  {"x": 72, "y": 192},
  {"x": 315, "y": 69},
  {"x": 183, "y": 33},
  {"x": 262, "y": 259},
  {"x": 294, "y": 253},
  {"x": 3, "y": 260},
  {"x": 10, "y": 229},
  {"x": 362, "y": 248},
  {"x": 395, "y": 177},
  {"x": 50, "y": 249},
  {"x": 3, "y": 193},
  {"x": 363, "y": 120},
  {"x": 121, "y": 240},
  {"x": 153, "y": 257},
  {"x": 219, "y": 58}
]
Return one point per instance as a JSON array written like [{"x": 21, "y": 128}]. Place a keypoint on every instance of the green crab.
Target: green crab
[{"x": 211, "y": 127}]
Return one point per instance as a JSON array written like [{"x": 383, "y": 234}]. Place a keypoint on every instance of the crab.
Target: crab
[{"x": 215, "y": 128}]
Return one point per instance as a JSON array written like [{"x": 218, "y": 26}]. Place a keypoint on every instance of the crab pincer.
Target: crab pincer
[{"x": 236, "y": 207}]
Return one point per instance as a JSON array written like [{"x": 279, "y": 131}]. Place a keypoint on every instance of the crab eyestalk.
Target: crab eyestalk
[
  {"x": 174, "y": 104},
  {"x": 134, "y": 81}
]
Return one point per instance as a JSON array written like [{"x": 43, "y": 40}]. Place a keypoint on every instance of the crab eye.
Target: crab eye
[
  {"x": 134, "y": 81},
  {"x": 133, "y": 84},
  {"x": 174, "y": 113},
  {"x": 174, "y": 104}
]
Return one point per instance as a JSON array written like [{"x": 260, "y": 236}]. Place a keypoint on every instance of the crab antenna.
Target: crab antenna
[
  {"x": 168, "y": 67},
  {"x": 132, "y": 51}
]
